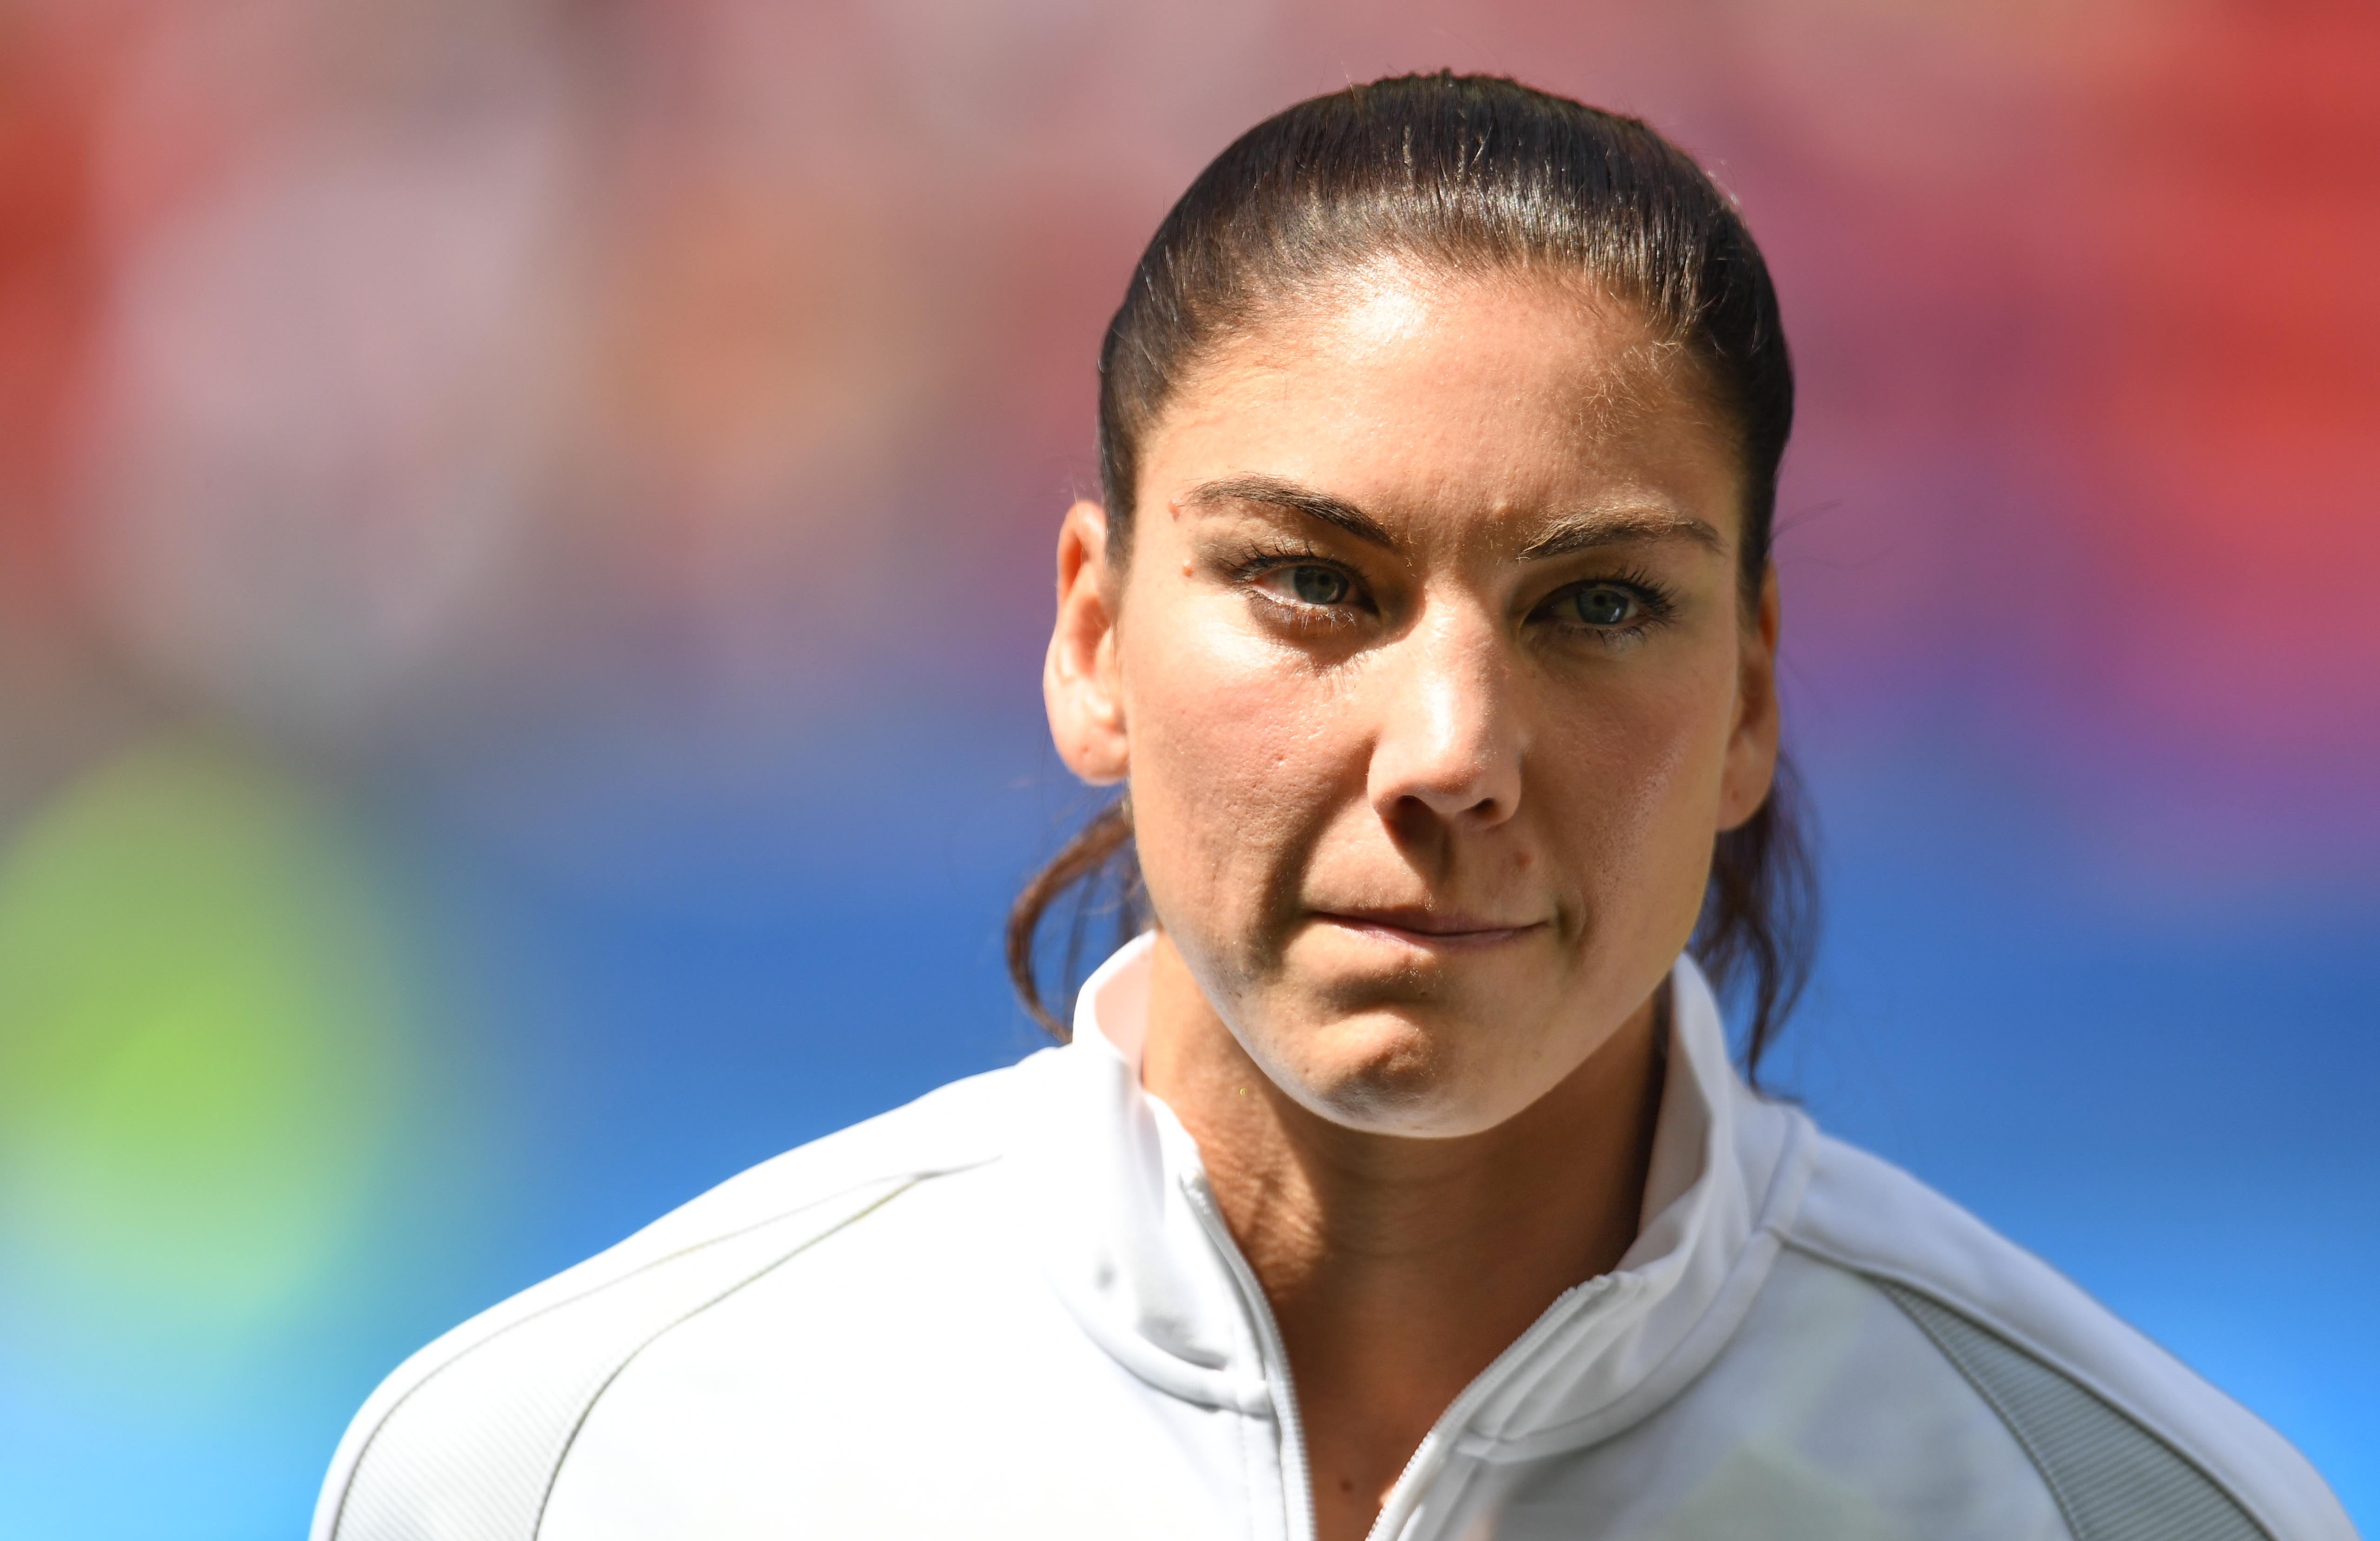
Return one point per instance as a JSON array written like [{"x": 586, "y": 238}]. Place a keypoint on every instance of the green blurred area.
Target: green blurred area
[{"x": 203, "y": 1052}]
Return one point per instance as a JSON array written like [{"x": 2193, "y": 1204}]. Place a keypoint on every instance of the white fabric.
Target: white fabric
[{"x": 1010, "y": 1309}]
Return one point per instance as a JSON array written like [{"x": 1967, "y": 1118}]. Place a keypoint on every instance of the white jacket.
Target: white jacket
[{"x": 1011, "y": 1309}]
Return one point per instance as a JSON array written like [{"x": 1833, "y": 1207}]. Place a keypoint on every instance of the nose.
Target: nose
[{"x": 1448, "y": 743}]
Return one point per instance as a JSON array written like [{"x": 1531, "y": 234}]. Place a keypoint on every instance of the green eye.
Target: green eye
[
  {"x": 1604, "y": 606},
  {"x": 1318, "y": 585}
]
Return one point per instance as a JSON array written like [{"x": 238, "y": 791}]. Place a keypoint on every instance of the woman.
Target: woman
[{"x": 1395, "y": 1182}]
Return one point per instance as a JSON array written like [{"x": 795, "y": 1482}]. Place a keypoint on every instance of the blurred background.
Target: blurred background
[{"x": 525, "y": 537}]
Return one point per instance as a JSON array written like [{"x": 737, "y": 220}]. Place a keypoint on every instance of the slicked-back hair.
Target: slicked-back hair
[{"x": 1463, "y": 174}]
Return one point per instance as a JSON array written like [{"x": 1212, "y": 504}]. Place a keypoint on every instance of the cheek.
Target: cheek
[
  {"x": 1236, "y": 768},
  {"x": 1633, "y": 781}
]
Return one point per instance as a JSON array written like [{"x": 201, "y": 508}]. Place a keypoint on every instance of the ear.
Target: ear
[
  {"x": 1079, "y": 681},
  {"x": 1751, "y": 747}
]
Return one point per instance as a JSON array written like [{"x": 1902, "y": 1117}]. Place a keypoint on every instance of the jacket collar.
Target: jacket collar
[{"x": 1126, "y": 1231}]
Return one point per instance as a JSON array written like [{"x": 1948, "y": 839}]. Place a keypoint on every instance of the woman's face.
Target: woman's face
[{"x": 1430, "y": 675}]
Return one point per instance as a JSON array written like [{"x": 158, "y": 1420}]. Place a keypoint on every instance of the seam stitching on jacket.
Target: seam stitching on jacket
[
  {"x": 1895, "y": 1290},
  {"x": 1991, "y": 1399},
  {"x": 1796, "y": 1159},
  {"x": 363, "y": 1451},
  {"x": 2023, "y": 1343},
  {"x": 561, "y": 1457}
]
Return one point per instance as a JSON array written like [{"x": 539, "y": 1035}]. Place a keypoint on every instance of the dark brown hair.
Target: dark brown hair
[{"x": 1466, "y": 174}]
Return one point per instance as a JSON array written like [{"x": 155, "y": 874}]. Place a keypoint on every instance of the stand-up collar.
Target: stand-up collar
[{"x": 1118, "y": 1189}]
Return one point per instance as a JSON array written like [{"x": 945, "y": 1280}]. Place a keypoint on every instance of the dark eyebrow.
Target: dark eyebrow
[
  {"x": 1587, "y": 531},
  {"x": 1275, "y": 493},
  {"x": 1578, "y": 533}
]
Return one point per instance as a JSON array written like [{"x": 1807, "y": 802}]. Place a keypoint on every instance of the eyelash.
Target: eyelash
[
  {"x": 1310, "y": 617},
  {"x": 1261, "y": 560},
  {"x": 1654, "y": 603}
]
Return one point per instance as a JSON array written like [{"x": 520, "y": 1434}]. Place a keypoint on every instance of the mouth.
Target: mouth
[{"x": 1434, "y": 930}]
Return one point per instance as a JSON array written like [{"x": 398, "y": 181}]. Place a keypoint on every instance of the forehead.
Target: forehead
[{"x": 1486, "y": 398}]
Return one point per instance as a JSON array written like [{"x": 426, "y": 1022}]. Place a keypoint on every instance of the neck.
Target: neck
[{"x": 1399, "y": 1268}]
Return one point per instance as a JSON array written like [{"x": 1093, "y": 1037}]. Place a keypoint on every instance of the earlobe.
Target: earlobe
[
  {"x": 1079, "y": 679},
  {"x": 1751, "y": 747}
]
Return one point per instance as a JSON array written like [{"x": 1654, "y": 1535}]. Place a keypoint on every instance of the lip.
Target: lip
[{"x": 1434, "y": 930}]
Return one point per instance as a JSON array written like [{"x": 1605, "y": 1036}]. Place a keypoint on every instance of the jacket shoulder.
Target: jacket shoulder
[
  {"x": 2128, "y": 1439},
  {"x": 464, "y": 1438}
]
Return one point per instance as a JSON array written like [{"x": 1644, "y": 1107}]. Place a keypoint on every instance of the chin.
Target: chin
[{"x": 1390, "y": 1072}]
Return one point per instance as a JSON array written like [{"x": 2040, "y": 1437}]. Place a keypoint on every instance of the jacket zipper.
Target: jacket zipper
[
  {"x": 1295, "y": 1474},
  {"x": 1430, "y": 1453}
]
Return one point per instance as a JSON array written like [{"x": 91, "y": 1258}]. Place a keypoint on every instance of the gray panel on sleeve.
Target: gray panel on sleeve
[{"x": 2114, "y": 1480}]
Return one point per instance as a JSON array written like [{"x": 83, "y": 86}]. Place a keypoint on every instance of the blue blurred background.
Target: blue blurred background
[{"x": 524, "y": 549}]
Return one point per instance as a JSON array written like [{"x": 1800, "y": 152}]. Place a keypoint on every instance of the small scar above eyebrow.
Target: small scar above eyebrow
[
  {"x": 1276, "y": 493},
  {"x": 1590, "y": 530}
]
